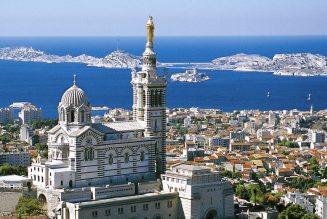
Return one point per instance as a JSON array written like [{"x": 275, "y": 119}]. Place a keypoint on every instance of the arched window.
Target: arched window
[
  {"x": 160, "y": 98},
  {"x": 92, "y": 154},
  {"x": 152, "y": 98},
  {"x": 62, "y": 114},
  {"x": 111, "y": 159},
  {"x": 156, "y": 98},
  {"x": 72, "y": 116},
  {"x": 126, "y": 157},
  {"x": 82, "y": 115},
  {"x": 86, "y": 152},
  {"x": 142, "y": 156}
]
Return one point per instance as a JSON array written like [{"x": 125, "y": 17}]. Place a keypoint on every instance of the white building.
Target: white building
[
  {"x": 316, "y": 136},
  {"x": 202, "y": 193},
  {"x": 29, "y": 113},
  {"x": 100, "y": 170},
  {"x": 6, "y": 116},
  {"x": 26, "y": 134},
  {"x": 263, "y": 133},
  {"x": 97, "y": 170},
  {"x": 13, "y": 182},
  {"x": 321, "y": 206},
  {"x": 299, "y": 199}
]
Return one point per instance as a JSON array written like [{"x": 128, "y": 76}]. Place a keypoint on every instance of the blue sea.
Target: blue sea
[{"x": 43, "y": 84}]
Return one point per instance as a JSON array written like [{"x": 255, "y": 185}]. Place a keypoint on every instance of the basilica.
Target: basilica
[{"x": 118, "y": 169}]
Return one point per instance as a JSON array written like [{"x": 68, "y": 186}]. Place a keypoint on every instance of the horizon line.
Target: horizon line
[{"x": 264, "y": 35}]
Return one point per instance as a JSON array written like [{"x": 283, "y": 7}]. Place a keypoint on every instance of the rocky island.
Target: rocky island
[
  {"x": 191, "y": 76},
  {"x": 116, "y": 59},
  {"x": 293, "y": 64}
]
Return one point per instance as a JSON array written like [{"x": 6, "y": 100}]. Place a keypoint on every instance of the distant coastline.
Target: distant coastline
[{"x": 290, "y": 64}]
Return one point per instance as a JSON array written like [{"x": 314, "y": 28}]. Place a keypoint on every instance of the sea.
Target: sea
[{"x": 43, "y": 84}]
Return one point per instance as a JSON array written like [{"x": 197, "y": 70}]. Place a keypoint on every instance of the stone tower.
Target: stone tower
[{"x": 149, "y": 99}]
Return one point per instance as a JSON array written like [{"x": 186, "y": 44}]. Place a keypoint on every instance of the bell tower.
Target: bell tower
[{"x": 149, "y": 99}]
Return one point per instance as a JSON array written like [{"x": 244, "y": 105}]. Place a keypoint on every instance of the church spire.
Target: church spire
[
  {"x": 149, "y": 56},
  {"x": 150, "y": 32}
]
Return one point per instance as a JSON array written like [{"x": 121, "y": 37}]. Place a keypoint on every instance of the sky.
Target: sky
[{"x": 171, "y": 17}]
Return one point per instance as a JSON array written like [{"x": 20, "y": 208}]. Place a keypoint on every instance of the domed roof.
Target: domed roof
[{"x": 74, "y": 96}]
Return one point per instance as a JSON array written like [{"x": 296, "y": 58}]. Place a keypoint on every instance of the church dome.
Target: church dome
[{"x": 74, "y": 96}]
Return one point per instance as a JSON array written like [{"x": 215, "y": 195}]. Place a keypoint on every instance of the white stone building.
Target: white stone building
[
  {"x": 299, "y": 199},
  {"x": 202, "y": 193},
  {"x": 98, "y": 170},
  {"x": 29, "y": 113},
  {"x": 13, "y": 182},
  {"x": 321, "y": 206}
]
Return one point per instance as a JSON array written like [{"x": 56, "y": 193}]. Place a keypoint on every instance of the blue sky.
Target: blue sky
[{"x": 172, "y": 17}]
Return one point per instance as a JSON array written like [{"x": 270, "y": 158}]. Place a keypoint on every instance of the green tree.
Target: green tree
[
  {"x": 310, "y": 216},
  {"x": 292, "y": 212},
  {"x": 41, "y": 146},
  {"x": 5, "y": 138},
  {"x": 242, "y": 192},
  {"x": 256, "y": 194},
  {"x": 7, "y": 169},
  {"x": 29, "y": 206},
  {"x": 272, "y": 199}
]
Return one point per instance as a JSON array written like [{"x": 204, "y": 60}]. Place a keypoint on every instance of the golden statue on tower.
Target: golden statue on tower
[{"x": 150, "y": 29}]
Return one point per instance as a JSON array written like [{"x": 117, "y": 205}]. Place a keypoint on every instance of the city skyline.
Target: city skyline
[{"x": 121, "y": 18}]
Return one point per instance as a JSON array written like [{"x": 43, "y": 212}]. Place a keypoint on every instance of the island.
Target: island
[
  {"x": 293, "y": 64},
  {"x": 116, "y": 59},
  {"x": 191, "y": 76}
]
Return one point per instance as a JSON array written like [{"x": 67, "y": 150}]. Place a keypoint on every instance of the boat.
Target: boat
[
  {"x": 268, "y": 94},
  {"x": 309, "y": 97}
]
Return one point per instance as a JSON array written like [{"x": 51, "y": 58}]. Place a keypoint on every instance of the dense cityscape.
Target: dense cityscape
[{"x": 151, "y": 161}]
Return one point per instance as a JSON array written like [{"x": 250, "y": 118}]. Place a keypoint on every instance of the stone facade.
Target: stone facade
[{"x": 112, "y": 170}]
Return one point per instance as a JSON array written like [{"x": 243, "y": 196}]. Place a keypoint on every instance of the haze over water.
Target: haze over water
[{"x": 43, "y": 84}]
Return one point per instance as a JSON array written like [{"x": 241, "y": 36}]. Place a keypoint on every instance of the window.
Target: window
[
  {"x": 62, "y": 114},
  {"x": 94, "y": 214},
  {"x": 61, "y": 183},
  {"x": 145, "y": 207},
  {"x": 108, "y": 212},
  {"x": 88, "y": 154},
  {"x": 111, "y": 159},
  {"x": 126, "y": 157},
  {"x": 82, "y": 115},
  {"x": 157, "y": 205},
  {"x": 133, "y": 208},
  {"x": 120, "y": 210},
  {"x": 72, "y": 116},
  {"x": 170, "y": 204},
  {"x": 142, "y": 156}
]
